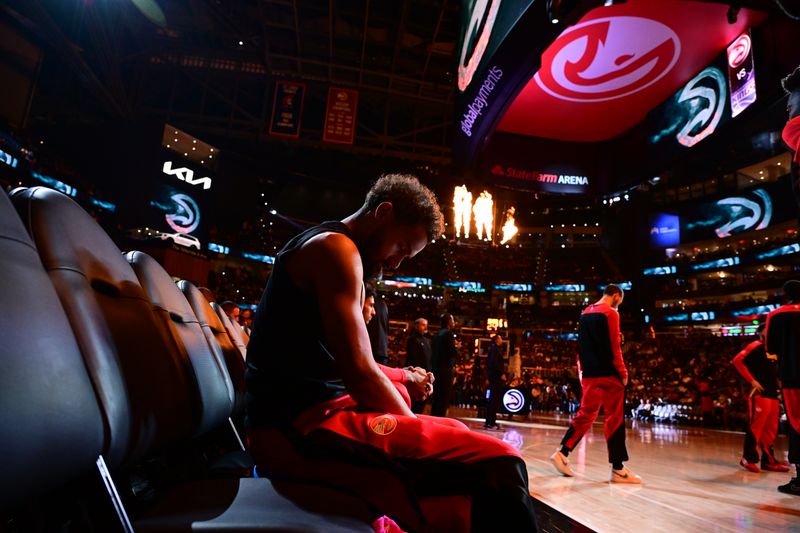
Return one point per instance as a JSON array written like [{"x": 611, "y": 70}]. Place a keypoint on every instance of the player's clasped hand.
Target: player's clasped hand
[{"x": 419, "y": 382}]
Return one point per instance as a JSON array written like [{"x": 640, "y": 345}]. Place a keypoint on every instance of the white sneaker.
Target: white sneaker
[
  {"x": 624, "y": 476},
  {"x": 559, "y": 461}
]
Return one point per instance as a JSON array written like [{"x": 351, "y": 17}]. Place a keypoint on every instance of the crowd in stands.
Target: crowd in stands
[
  {"x": 692, "y": 374},
  {"x": 240, "y": 284},
  {"x": 711, "y": 285},
  {"x": 717, "y": 305}
]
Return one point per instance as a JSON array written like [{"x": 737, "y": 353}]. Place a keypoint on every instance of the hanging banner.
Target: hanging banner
[
  {"x": 741, "y": 74},
  {"x": 287, "y": 109},
  {"x": 340, "y": 116}
]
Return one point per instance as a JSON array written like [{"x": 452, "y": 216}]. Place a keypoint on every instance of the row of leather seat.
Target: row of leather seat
[{"x": 103, "y": 357}]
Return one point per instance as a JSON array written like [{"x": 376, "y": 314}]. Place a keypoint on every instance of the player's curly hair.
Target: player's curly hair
[
  {"x": 791, "y": 82},
  {"x": 412, "y": 201}
]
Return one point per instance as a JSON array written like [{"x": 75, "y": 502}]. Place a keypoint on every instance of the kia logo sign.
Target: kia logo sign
[
  {"x": 608, "y": 58},
  {"x": 739, "y": 50},
  {"x": 514, "y": 401},
  {"x": 185, "y": 174}
]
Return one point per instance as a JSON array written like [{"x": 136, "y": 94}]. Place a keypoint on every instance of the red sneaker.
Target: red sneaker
[
  {"x": 753, "y": 467},
  {"x": 775, "y": 467}
]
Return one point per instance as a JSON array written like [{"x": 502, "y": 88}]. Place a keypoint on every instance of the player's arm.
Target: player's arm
[
  {"x": 771, "y": 335},
  {"x": 740, "y": 365},
  {"x": 335, "y": 275},
  {"x": 616, "y": 348}
]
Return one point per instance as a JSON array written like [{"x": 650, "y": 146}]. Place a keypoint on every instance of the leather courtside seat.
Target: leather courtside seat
[
  {"x": 51, "y": 430},
  {"x": 140, "y": 380},
  {"x": 234, "y": 331},
  {"x": 213, "y": 390},
  {"x": 218, "y": 339}
]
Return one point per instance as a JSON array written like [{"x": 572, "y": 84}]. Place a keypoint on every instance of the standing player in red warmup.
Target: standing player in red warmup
[
  {"x": 761, "y": 371},
  {"x": 603, "y": 379},
  {"x": 783, "y": 340}
]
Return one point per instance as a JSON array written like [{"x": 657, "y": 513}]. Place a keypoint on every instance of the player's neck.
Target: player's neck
[{"x": 361, "y": 225}]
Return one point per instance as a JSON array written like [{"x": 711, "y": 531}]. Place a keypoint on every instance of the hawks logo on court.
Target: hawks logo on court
[
  {"x": 383, "y": 425},
  {"x": 608, "y": 58}
]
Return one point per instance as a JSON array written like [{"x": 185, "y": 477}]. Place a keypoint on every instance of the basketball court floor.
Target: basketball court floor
[{"x": 692, "y": 481}]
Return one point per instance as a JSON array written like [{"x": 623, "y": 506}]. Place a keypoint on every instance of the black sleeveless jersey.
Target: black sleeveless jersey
[{"x": 289, "y": 367}]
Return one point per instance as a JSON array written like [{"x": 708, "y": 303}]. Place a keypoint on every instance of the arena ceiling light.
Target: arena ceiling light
[{"x": 152, "y": 11}]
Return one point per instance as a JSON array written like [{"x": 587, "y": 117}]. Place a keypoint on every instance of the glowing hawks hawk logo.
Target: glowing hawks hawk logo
[
  {"x": 745, "y": 214},
  {"x": 739, "y": 50},
  {"x": 514, "y": 401},
  {"x": 186, "y": 214},
  {"x": 608, "y": 58},
  {"x": 704, "y": 99}
]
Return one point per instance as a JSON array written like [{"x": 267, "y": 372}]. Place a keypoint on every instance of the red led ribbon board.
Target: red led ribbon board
[
  {"x": 601, "y": 76},
  {"x": 340, "y": 116}
]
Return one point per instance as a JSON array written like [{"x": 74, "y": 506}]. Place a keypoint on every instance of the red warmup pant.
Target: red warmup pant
[
  {"x": 335, "y": 444},
  {"x": 758, "y": 440},
  {"x": 608, "y": 393},
  {"x": 791, "y": 401}
]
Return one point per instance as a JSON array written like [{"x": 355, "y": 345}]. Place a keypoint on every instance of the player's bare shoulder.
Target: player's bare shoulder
[
  {"x": 325, "y": 256},
  {"x": 330, "y": 247}
]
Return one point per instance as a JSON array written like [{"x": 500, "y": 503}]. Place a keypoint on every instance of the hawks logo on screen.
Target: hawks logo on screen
[
  {"x": 608, "y": 58},
  {"x": 739, "y": 50},
  {"x": 185, "y": 216}
]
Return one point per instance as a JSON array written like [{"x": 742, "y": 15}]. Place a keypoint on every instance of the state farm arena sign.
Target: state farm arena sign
[{"x": 546, "y": 181}]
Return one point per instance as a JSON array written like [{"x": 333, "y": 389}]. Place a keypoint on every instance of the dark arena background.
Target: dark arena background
[{"x": 571, "y": 144}]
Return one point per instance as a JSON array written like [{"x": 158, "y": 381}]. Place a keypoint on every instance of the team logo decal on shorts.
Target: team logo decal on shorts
[{"x": 383, "y": 425}]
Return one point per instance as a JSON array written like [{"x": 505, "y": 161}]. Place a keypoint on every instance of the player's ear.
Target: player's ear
[{"x": 384, "y": 211}]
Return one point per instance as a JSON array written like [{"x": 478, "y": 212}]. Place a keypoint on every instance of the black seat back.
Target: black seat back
[
  {"x": 234, "y": 331},
  {"x": 214, "y": 395},
  {"x": 218, "y": 339},
  {"x": 51, "y": 430},
  {"x": 141, "y": 383}
]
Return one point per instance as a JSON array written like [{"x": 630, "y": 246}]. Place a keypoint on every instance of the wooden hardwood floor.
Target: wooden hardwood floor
[{"x": 692, "y": 481}]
